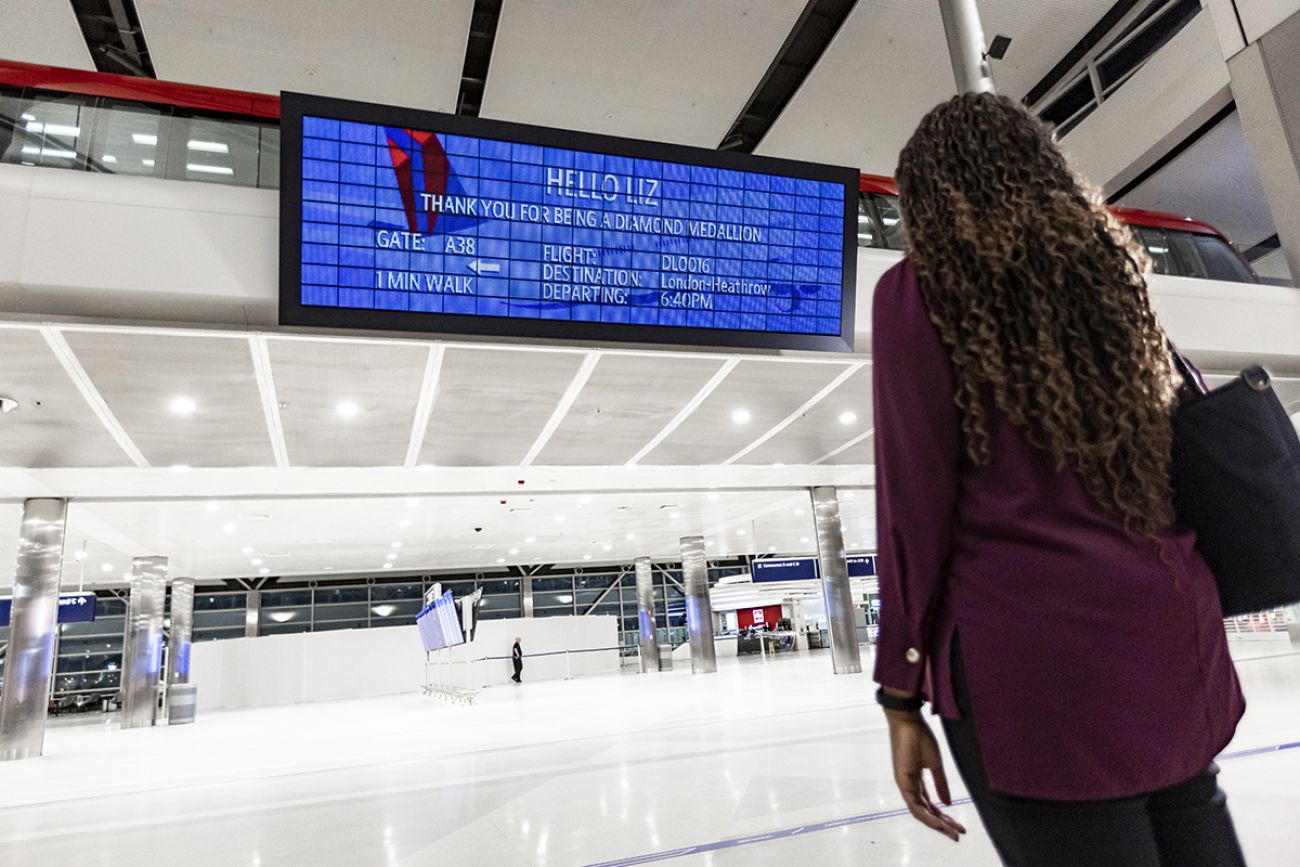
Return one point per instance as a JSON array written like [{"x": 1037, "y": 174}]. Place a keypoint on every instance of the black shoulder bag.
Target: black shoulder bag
[{"x": 1236, "y": 480}]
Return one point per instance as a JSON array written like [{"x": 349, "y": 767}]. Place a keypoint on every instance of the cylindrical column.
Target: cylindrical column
[
  {"x": 252, "y": 612},
  {"x": 970, "y": 63},
  {"x": 178, "y": 658},
  {"x": 526, "y": 596},
  {"x": 699, "y": 611},
  {"x": 845, "y": 657},
  {"x": 32, "y": 622},
  {"x": 645, "y": 614},
  {"x": 143, "y": 647}
]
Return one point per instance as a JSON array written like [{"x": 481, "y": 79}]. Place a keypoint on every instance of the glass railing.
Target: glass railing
[{"x": 111, "y": 136}]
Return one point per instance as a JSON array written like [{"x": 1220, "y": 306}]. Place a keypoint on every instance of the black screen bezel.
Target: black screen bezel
[{"x": 293, "y": 106}]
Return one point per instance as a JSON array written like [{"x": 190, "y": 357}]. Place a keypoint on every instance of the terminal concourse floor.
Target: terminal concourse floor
[{"x": 758, "y": 764}]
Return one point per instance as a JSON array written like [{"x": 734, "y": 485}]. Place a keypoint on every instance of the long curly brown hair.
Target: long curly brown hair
[{"x": 1039, "y": 296}]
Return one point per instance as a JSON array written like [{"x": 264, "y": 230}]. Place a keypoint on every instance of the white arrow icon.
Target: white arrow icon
[{"x": 478, "y": 266}]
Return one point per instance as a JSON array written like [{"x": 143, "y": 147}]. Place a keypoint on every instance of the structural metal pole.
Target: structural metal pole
[
  {"x": 970, "y": 62},
  {"x": 845, "y": 656},
  {"x": 645, "y": 614},
  {"x": 699, "y": 611}
]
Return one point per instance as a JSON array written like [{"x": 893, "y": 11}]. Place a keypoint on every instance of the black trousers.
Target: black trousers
[
  {"x": 519, "y": 667},
  {"x": 1186, "y": 825}
]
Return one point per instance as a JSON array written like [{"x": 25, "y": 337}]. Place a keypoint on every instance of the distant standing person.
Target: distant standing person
[{"x": 517, "y": 657}]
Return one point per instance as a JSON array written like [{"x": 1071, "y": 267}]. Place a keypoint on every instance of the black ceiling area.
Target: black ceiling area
[
  {"x": 808, "y": 40},
  {"x": 113, "y": 35}
]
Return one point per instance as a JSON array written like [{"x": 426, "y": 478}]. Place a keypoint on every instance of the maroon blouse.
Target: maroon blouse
[{"x": 1095, "y": 670}]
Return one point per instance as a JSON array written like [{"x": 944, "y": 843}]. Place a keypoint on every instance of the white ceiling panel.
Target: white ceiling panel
[
  {"x": 662, "y": 70},
  {"x": 493, "y": 404},
  {"x": 768, "y": 390},
  {"x": 401, "y": 52},
  {"x": 313, "y": 378},
  {"x": 53, "y": 426},
  {"x": 140, "y": 376},
  {"x": 627, "y": 399},
  {"x": 843, "y": 415},
  {"x": 38, "y": 31},
  {"x": 889, "y": 65}
]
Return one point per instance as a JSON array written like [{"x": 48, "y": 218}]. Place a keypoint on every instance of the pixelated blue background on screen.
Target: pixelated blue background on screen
[{"x": 407, "y": 221}]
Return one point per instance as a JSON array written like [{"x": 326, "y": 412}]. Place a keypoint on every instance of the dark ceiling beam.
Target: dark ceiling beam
[
  {"x": 808, "y": 40},
  {"x": 478, "y": 56},
  {"x": 1083, "y": 47},
  {"x": 114, "y": 37}
]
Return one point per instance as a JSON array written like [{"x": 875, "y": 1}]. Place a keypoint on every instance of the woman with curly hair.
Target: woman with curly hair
[{"x": 1037, "y": 588}]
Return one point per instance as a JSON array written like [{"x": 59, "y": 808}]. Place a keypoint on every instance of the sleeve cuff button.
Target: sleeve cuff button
[{"x": 913, "y": 655}]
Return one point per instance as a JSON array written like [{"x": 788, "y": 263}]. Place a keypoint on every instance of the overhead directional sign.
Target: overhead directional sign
[
  {"x": 73, "y": 608},
  {"x": 807, "y": 568},
  {"x": 396, "y": 218}
]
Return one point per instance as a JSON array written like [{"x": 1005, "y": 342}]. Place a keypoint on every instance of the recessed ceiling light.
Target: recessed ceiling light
[
  {"x": 82, "y": 555},
  {"x": 514, "y": 551},
  {"x": 109, "y": 159},
  {"x": 213, "y": 506},
  {"x": 607, "y": 547},
  {"x": 586, "y": 556},
  {"x": 848, "y": 495},
  {"x": 182, "y": 405},
  {"x": 396, "y": 545},
  {"x": 106, "y": 567},
  {"x": 180, "y": 468},
  {"x": 708, "y": 543},
  {"x": 282, "y": 616},
  {"x": 771, "y": 549},
  {"x": 564, "y": 599},
  {"x": 803, "y": 540},
  {"x": 501, "y": 560},
  {"x": 256, "y": 561},
  {"x": 264, "y": 571},
  {"x": 388, "y": 565},
  {"x": 147, "y": 163},
  {"x": 740, "y": 416},
  {"x": 530, "y": 540},
  {"x": 247, "y": 549},
  {"x": 205, "y": 169},
  {"x": 390, "y": 557},
  {"x": 346, "y": 409},
  {"x": 328, "y": 568},
  {"x": 228, "y": 528},
  {"x": 848, "y": 417},
  {"x": 674, "y": 515},
  {"x": 778, "y": 464},
  {"x": 384, "y": 610}
]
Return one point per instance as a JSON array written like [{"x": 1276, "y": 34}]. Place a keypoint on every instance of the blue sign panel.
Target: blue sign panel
[
  {"x": 862, "y": 565},
  {"x": 73, "y": 608},
  {"x": 439, "y": 625},
  {"x": 788, "y": 569},
  {"x": 421, "y": 221}
]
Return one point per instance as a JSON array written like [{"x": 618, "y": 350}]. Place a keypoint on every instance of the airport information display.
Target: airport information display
[
  {"x": 439, "y": 625},
  {"x": 394, "y": 218},
  {"x": 73, "y": 608},
  {"x": 807, "y": 568}
]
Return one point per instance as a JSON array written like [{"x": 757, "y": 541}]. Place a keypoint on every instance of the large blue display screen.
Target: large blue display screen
[{"x": 503, "y": 225}]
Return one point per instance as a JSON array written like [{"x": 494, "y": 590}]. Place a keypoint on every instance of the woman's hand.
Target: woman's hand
[{"x": 914, "y": 748}]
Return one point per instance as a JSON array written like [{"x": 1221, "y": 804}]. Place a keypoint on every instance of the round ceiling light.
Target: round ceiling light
[
  {"x": 182, "y": 405},
  {"x": 740, "y": 416}
]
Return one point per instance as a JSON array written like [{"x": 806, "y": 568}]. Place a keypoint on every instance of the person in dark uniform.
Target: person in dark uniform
[{"x": 517, "y": 657}]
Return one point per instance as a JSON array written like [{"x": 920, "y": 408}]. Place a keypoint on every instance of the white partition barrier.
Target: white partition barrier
[{"x": 360, "y": 663}]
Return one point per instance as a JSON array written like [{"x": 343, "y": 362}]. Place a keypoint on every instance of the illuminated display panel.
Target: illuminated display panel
[{"x": 394, "y": 218}]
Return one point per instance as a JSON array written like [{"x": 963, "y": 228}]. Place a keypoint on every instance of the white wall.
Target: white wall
[{"x": 359, "y": 663}]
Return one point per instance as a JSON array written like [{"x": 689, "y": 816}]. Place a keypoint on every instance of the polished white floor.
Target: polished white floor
[{"x": 607, "y": 769}]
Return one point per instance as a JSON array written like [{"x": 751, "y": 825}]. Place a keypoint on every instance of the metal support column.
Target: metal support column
[
  {"x": 32, "y": 623},
  {"x": 699, "y": 611},
  {"x": 645, "y": 614},
  {"x": 143, "y": 650},
  {"x": 178, "y": 657},
  {"x": 526, "y": 595},
  {"x": 845, "y": 657},
  {"x": 970, "y": 62},
  {"x": 252, "y": 612}
]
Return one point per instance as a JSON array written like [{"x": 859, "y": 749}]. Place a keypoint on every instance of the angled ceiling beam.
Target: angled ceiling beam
[
  {"x": 848, "y": 445},
  {"x": 270, "y": 400},
  {"x": 72, "y": 366},
  {"x": 562, "y": 408},
  {"x": 424, "y": 407},
  {"x": 792, "y": 417},
  {"x": 686, "y": 411}
]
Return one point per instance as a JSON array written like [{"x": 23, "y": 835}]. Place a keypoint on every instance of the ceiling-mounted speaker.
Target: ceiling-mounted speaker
[
  {"x": 998, "y": 47},
  {"x": 8, "y": 404}
]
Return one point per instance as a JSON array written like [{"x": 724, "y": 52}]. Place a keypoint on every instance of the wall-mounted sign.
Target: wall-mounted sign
[
  {"x": 418, "y": 221},
  {"x": 73, "y": 608},
  {"x": 862, "y": 565},
  {"x": 806, "y": 568}
]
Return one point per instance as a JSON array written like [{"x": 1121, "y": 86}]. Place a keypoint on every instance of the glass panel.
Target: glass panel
[
  {"x": 400, "y": 611},
  {"x": 1189, "y": 257},
  {"x": 347, "y": 611},
  {"x": 1141, "y": 47},
  {"x": 487, "y": 612},
  {"x": 328, "y": 595},
  {"x": 1068, "y": 103},
  {"x": 565, "y": 583},
  {"x": 268, "y": 171},
  {"x": 1157, "y": 244},
  {"x": 607, "y": 608},
  {"x": 334, "y": 625},
  {"x": 275, "y": 598},
  {"x": 382, "y": 592},
  {"x": 222, "y": 151},
  {"x": 209, "y": 619},
  {"x": 110, "y": 606},
  {"x": 509, "y": 586},
  {"x": 890, "y": 219},
  {"x": 213, "y": 634},
  {"x": 553, "y": 612},
  {"x": 284, "y": 628},
  {"x": 282, "y": 616},
  {"x": 130, "y": 139},
  {"x": 48, "y": 130},
  {"x": 220, "y": 601},
  {"x": 867, "y": 233},
  {"x": 113, "y": 626},
  {"x": 550, "y": 599},
  {"x": 1221, "y": 261},
  {"x": 594, "y": 581}
]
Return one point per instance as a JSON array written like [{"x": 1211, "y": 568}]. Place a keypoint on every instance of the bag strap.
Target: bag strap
[{"x": 1191, "y": 378}]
